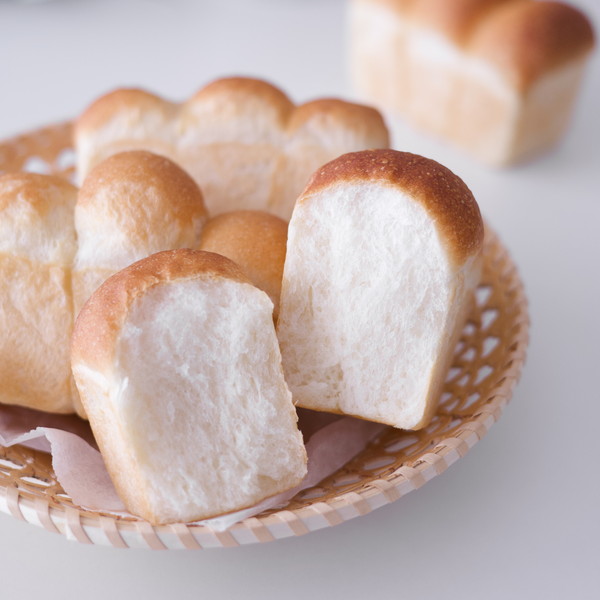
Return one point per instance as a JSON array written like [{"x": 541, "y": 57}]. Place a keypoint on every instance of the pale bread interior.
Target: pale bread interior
[
  {"x": 371, "y": 305},
  {"x": 196, "y": 413}
]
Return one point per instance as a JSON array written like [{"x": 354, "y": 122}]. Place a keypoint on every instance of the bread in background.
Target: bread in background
[
  {"x": 242, "y": 140},
  {"x": 255, "y": 241},
  {"x": 178, "y": 366},
  {"x": 37, "y": 247},
  {"x": 383, "y": 257},
  {"x": 496, "y": 78}
]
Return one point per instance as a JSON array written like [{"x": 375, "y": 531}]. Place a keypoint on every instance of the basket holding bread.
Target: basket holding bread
[{"x": 163, "y": 301}]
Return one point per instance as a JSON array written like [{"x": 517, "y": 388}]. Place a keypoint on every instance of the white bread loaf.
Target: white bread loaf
[
  {"x": 242, "y": 140},
  {"x": 178, "y": 366},
  {"x": 497, "y": 78},
  {"x": 255, "y": 241},
  {"x": 383, "y": 257},
  {"x": 37, "y": 246},
  {"x": 132, "y": 205}
]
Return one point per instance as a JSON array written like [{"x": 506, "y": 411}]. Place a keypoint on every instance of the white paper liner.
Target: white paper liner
[
  {"x": 79, "y": 468},
  {"x": 328, "y": 450}
]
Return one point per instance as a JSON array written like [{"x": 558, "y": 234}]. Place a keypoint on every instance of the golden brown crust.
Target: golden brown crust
[
  {"x": 145, "y": 168},
  {"x": 256, "y": 241},
  {"x": 35, "y": 189},
  {"x": 240, "y": 87},
  {"x": 348, "y": 113},
  {"x": 36, "y": 218},
  {"x": 523, "y": 38},
  {"x": 527, "y": 39},
  {"x": 101, "y": 318},
  {"x": 444, "y": 195},
  {"x": 103, "y": 109},
  {"x": 402, "y": 7},
  {"x": 456, "y": 19},
  {"x": 129, "y": 172},
  {"x": 290, "y": 116}
]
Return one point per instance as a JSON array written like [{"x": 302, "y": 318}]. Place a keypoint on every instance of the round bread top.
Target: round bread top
[
  {"x": 139, "y": 192},
  {"x": 35, "y": 189},
  {"x": 129, "y": 171},
  {"x": 326, "y": 112},
  {"x": 522, "y": 38},
  {"x": 233, "y": 97},
  {"x": 527, "y": 39},
  {"x": 250, "y": 95},
  {"x": 103, "y": 109},
  {"x": 101, "y": 318},
  {"x": 455, "y": 19},
  {"x": 444, "y": 195},
  {"x": 36, "y": 217},
  {"x": 256, "y": 241}
]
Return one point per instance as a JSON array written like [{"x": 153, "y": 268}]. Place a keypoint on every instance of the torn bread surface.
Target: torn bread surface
[
  {"x": 377, "y": 284},
  {"x": 188, "y": 400}
]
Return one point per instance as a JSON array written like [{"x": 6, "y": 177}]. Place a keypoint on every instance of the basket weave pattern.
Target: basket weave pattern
[{"x": 487, "y": 363}]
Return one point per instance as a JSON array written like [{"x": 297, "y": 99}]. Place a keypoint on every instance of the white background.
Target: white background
[{"x": 519, "y": 516}]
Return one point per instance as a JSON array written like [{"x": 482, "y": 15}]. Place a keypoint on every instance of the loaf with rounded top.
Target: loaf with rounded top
[
  {"x": 242, "y": 139},
  {"x": 37, "y": 247},
  {"x": 178, "y": 366},
  {"x": 383, "y": 257},
  {"x": 59, "y": 244},
  {"x": 497, "y": 78},
  {"x": 255, "y": 241},
  {"x": 131, "y": 205}
]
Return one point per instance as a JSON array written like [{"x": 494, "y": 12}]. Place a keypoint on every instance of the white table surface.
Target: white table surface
[{"x": 519, "y": 516}]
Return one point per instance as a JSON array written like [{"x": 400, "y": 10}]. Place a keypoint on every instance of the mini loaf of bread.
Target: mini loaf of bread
[
  {"x": 178, "y": 366},
  {"x": 383, "y": 257},
  {"x": 255, "y": 241},
  {"x": 497, "y": 78},
  {"x": 242, "y": 140},
  {"x": 37, "y": 247},
  {"x": 132, "y": 205}
]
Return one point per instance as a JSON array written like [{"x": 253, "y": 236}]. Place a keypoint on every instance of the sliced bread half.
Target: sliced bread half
[
  {"x": 382, "y": 261},
  {"x": 178, "y": 367}
]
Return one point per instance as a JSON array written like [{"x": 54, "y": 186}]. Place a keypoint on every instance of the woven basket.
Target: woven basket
[{"x": 487, "y": 363}]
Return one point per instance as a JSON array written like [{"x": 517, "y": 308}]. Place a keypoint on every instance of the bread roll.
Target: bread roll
[
  {"x": 37, "y": 247},
  {"x": 132, "y": 205},
  {"x": 383, "y": 257},
  {"x": 242, "y": 140},
  {"x": 178, "y": 367},
  {"x": 255, "y": 241},
  {"x": 497, "y": 78}
]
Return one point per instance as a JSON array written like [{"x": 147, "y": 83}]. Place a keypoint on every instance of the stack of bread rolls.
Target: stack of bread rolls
[
  {"x": 195, "y": 336},
  {"x": 242, "y": 140},
  {"x": 383, "y": 258},
  {"x": 497, "y": 78}
]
